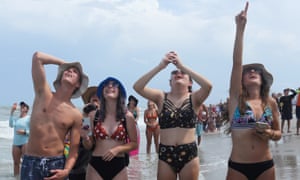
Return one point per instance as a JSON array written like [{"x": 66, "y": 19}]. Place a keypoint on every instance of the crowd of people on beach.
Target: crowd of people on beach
[{"x": 60, "y": 141}]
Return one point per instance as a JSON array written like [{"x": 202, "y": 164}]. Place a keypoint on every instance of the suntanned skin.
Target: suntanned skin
[
  {"x": 53, "y": 115},
  {"x": 16, "y": 151},
  {"x": 179, "y": 84},
  {"x": 248, "y": 146}
]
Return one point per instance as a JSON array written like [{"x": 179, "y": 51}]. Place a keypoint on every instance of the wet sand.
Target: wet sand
[{"x": 213, "y": 151}]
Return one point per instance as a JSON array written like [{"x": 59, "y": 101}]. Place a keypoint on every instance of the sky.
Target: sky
[{"x": 127, "y": 38}]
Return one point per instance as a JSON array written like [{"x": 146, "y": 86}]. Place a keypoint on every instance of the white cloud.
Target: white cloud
[{"x": 140, "y": 32}]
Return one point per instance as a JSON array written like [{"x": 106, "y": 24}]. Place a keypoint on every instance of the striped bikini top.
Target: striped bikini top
[
  {"x": 182, "y": 117},
  {"x": 248, "y": 120}
]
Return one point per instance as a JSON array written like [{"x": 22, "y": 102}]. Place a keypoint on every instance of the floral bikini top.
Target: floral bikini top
[
  {"x": 118, "y": 135},
  {"x": 247, "y": 120},
  {"x": 182, "y": 117}
]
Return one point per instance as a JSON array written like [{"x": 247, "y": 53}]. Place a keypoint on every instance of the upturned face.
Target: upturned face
[
  {"x": 179, "y": 77},
  {"x": 72, "y": 76},
  {"x": 252, "y": 76},
  {"x": 151, "y": 105},
  {"x": 111, "y": 90},
  {"x": 24, "y": 109}
]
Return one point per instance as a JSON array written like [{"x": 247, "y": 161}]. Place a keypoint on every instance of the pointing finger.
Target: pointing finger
[{"x": 246, "y": 7}]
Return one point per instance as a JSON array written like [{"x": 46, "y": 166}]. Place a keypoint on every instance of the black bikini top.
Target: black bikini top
[{"x": 182, "y": 117}]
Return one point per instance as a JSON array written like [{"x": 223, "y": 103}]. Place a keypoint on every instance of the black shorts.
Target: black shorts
[
  {"x": 286, "y": 115},
  {"x": 298, "y": 112},
  {"x": 178, "y": 156}
]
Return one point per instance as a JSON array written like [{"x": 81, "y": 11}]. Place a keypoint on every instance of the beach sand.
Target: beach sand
[{"x": 213, "y": 151}]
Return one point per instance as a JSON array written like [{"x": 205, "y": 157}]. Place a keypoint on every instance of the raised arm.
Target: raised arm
[
  {"x": 205, "y": 85},
  {"x": 11, "y": 117},
  {"x": 236, "y": 74},
  {"x": 40, "y": 59},
  {"x": 294, "y": 93},
  {"x": 150, "y": 93}
]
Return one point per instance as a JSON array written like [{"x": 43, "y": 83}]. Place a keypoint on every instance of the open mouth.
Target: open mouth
[{"x": 252, "y": 76}]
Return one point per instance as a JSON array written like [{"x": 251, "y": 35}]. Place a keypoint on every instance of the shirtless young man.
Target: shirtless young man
[{"x": 53, "y": 115}]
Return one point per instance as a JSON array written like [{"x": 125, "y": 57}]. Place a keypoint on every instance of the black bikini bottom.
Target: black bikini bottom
[
  {"x": 178, "y": 156},
  {"x": 107, "y": 169},
  {"x": 251, "y": 170}
]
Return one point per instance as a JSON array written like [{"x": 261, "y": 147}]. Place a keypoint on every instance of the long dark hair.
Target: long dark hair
[{"x": 120, "y": 107}]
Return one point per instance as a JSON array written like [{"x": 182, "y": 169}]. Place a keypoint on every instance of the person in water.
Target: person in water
[
  {"x": 135, "y": 110},
  {"x": 178, "y": 108},
  {"x": 53, "y": 116},
  {"x": 21, "y": 125},
  {"x": 113, "y": 125},
  {"x": 253, "y": 115},
  {"x": 152, "y": 126}
]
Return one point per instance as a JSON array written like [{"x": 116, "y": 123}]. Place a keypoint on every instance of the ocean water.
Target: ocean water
[
  {"x": 5, "y": 131},
  {"x": 213, "y": 152}
]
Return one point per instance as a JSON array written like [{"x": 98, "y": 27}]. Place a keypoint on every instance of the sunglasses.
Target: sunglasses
[
  {"x": 113, "y": 84},
  {"x": 252, "y": 69},
  {"x": 176, "y": 72}
]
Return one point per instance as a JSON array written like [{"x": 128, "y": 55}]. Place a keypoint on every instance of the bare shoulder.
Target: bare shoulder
[
  {"x": 77, "y": 113},
  {"x": 159, "y": 100},
  {"x": 272, "y": 103},
  {"x": 271, "y": 100},
  {"x": 72, "y": 112}
]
